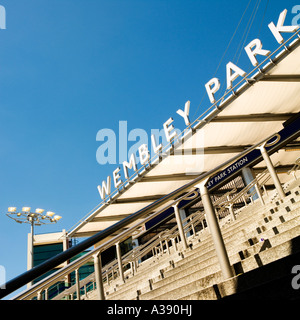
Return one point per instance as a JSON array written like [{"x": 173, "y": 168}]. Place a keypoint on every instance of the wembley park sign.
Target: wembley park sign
[{"x": 233, "y": 72}]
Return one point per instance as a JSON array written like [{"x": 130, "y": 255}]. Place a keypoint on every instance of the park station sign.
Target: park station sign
[{"x": 233, "y": 72}]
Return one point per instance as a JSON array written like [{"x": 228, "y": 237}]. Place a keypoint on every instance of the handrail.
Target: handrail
[
  {"x": 244, "y": 191},
  {"x": 125, "y": 258},
  {"x": 136, "y": 253},
  {"x": 295, "y": 168},
  {"x": 48, "y": 281},
  {"x": 219, "y": 202},
  {"x": 66, "y": 255},
  {"x": 260, "y": 181}
]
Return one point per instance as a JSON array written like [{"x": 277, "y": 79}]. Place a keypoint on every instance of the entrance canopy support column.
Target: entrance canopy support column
[
  {"x": 215, "y": 231},
  {"x": 119, "y": 256},
  {"x": 98, "y": 276},
  {"x": 77, "y": 283}
]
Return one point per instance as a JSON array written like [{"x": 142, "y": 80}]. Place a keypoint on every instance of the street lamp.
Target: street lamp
[{"x": 36, "y": 218}]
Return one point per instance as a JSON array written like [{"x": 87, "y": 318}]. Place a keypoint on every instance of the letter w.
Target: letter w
[{"x": 105, "y": 188}]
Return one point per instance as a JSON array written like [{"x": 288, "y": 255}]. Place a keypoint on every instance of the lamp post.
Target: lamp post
[{"x": 36, "y": 218}]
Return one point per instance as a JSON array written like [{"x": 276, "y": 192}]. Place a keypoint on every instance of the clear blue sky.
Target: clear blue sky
[{"x": 69, "y": 68}]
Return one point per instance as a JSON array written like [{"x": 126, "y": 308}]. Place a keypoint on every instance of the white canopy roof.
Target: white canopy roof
[{"x": 256, "y": 110}]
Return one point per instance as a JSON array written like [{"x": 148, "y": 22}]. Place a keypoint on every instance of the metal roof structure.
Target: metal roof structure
[{"x": 254, "y": 109}]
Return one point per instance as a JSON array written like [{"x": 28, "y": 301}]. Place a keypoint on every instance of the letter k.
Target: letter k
[{"x": 276, "y": 30}]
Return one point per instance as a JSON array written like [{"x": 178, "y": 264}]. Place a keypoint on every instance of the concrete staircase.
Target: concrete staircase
[{"x": 263, "y": 245}]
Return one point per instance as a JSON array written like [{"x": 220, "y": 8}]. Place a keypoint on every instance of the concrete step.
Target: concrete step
[
  {"x": 187, "y": 275},
  {"x": 145, "y": 286},
  {"x": 283, "y": 233},
  {"x": 232, "y": 240},
  {"x": 197, "y": 261},
  {"x": 271, "y": 279},
  {"x": 139, "y": 282},
  {"x": 247, "y": 225}
]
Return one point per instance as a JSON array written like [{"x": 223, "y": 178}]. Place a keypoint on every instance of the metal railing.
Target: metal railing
[
  {"x": 295, "y": 168},
  {"x": 133, "y": 258},
  {"x": 244, "y": 194},
  {"x": 62, "y": 273},
  {"x": 155, "y": 246}
]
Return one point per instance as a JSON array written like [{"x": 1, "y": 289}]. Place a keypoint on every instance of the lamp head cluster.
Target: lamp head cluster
[{"x": 37, "y": 217}]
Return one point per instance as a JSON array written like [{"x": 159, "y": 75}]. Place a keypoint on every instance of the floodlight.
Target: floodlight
[
  {"x": 35, "y": 218},
  {"x": 50, "y": 214}
]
